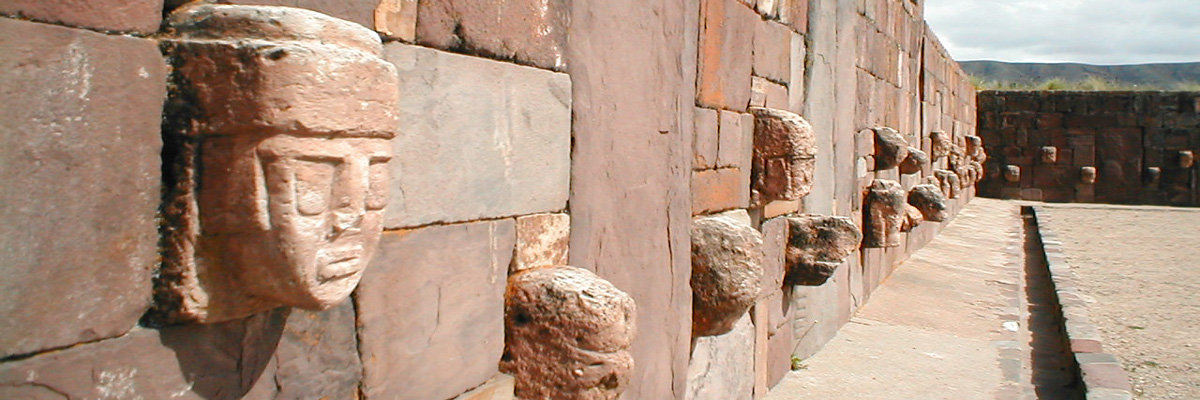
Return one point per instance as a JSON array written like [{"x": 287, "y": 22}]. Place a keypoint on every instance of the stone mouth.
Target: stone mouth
[{"x": 339, "y": 263}]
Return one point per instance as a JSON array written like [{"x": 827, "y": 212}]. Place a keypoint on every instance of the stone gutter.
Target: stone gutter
[{"x": 1101, "y": 373}]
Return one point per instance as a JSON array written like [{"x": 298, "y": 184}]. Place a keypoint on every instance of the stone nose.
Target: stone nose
[{"x": 346, "y": 221}]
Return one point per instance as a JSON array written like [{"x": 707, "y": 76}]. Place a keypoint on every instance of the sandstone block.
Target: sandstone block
[
  {"x": 817, "y": 244},
  {"x": 772, "y": 51},
  {"x": 736, "y": 139},
  {"x": 727, "y": 271},
  {"x": 542, "y": 240},
  {"x": 725, "y": 63},
  {"x": 784, "y": 156},
  {"x": 294, "y": 173},
  {"x": 719, "y": 190},
  {"x": 479, "y": 139},
  {"x": 914, "y": 162},
  {"x": 722, "y": 367},
  {"x": 137, "y": 16},
  {"x": 430, "y": 310},
  {"x": 706, "y": 142},
  {"x": 532, "y": 32},
  {"x": 397, "y": 19},
  {"x": 80, "y": 161},
  {"x": 567, "y": 335},
  {"x": 885, "y": 210},
  {"x": 317, "y": 355},
  {"x": 890, "y": 148},
  {"x": 929, "y": 200}
]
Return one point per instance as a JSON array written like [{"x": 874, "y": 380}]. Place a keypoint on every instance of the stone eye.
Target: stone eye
[
  {"x": 377, "y": 192},
  {"x": 314, "y": 186}
]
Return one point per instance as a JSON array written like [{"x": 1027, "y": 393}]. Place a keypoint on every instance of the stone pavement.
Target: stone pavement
[{"x": 948, "y": 324}]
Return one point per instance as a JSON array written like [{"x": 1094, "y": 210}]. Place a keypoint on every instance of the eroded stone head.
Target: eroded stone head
[
  {"x": 727, "y": 271},
  {"x": 1048, "y": 154},
  {"x": 567, "y": 334},
  {"x": 929, "y": 200},
  {"x": 890, "y": 148},
  {"x": 949, "y": 182},
  {"x": 885, "y": 210},
  {"x": 816, "y": 245},
  {"x": 278, "y": 129},
  {"x": 941, "y": 143},
  {"x": 914, "y": 162},
  {"x": 784, "y": 156}
]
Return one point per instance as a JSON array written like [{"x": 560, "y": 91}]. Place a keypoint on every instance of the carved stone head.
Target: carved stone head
[
  {"x": 1087, "y": 175},
  {"x": 277, "y": 135},
  {"x": 885, "y": 210},
  {"x": 727, "y": 271},
  {"x": 1186, "y": 159},
  {"x": 1012, "y": 173},
  {"x": 785, "y": 151},
  {"x": 816, "y": 245},
  {"x": 948, "y": 182},
  {"x": 890, "y": 148},
  {"x": 929, "y": 200},
  {"x": 914, "y": 162},
  {"x": 941, "y": 143}
]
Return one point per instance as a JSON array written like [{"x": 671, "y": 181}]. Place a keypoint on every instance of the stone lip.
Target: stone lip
[
  {"x": 727, "y": 271},
  {"x": 1103, "y": 376},
  {"x": 816, "y": 246}
]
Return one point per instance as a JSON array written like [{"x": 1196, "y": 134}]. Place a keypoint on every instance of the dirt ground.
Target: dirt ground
[{"x": 1141, "y": 267}]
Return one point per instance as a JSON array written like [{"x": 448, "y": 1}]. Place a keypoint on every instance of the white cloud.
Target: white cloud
[{"x": 1087, "y": 31}]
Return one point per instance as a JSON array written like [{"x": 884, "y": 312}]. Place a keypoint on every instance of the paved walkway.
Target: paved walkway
[{"x": 949, "y": 324}]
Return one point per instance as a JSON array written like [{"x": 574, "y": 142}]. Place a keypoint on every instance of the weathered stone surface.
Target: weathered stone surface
[
  {"x": 884, "y": 213},
  {"x": 294, "y": 177},
  {"x": 1012, "y": 173},
  {"x": 542, "y": 240},
  {"x": 317, "y": 356},
  {"x": 736, "y": 139},
  {"x": 80, "y": 161},
  {"x": 914, "y": 162},
  {"x": 1087, "y": 175},
  {"x": 719, "y": 189},
  {"x": 567, "y": 334},
  {"x": 397, "y": 19},
  {"x": 500, "y": 387},
  {"x": 949, "y": 183},
  {"x": 890, "y": 148},
  {"x": 722, "y": 366},
  {"x": 1186, "y": 159},
  {"x": 222, "y": 360},
  {"x": 140, "y": 16},
  {"x": 727, "y": 271},
  {"x": 975, "y": 150},
  {"x": 784, "y": 156},
  {"x": 930, "y": 201},
  {"x": 532, "y": 32},
  {"x": 942, "y": 144},
  {"x": 1049, "y": 154},
  {"x": 772, "y": 51},
  {"x": 726, "y": 54},
  {"x": 480, "y": 139},
  {"x": 430, "y": 310},
  {"x": 1153, "y": 175},
  {"x": 817, "y": 244},
  {"x": 707, "y": 139},
  {"x": 912, "y": 218},
  {"x": 361, "y": 12}
]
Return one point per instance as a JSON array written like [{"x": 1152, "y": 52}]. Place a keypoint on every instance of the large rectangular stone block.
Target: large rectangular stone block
[
  {"x": 532, "y": 32},
  {"x": 317, "y": 356},
  {"x": 772, "y": 51},
  {"x": 80, "y": 161},
  {"x": 478, "y": 139},
  {"x": 431, "y": 310},
  {"x": 722, "y": 367},
  {"x": 719, "y": 190},
  {"x": 726, "y": 54},
  {"x": 140, "y": 16}
]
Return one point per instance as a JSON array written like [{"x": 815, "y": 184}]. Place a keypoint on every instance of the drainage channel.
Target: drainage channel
[{"x": 1055, "y": 372}]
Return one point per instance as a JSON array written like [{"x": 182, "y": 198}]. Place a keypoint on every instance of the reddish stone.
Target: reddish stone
[
  {"x": 727, "y": 271},
  {"x": 914, "y": 162},
  {"x": 816, "y": 246},
  {"x": 80, "y": 158},
  {"x": 705, "y": 143},
  {"x": 542, "y": 240},
  {"x": 928, "y": 198},
  {"x": 726, "y": 54},
  {"x": 884, "y": 212},
  {"x": 772, "y": 51},
  {"x": 139, "y": 16},
  {"x": 784, "y": 156},
  {"x": 530, "y": 32},
  {"x": 718, "y": 190}
]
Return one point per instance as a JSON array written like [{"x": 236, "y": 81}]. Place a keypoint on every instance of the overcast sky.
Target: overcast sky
[{"x": 1085, "y": 31}]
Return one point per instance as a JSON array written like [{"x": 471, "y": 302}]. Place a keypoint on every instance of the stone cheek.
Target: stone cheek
[
  {"x": 727, "y": 271},
  {"x": 890, "y": 148},
  {"x": 567, "y": 335},
  {"x": 784, "y": 156},
  {"x": 885, "y": 212},
  {"x": 929, "y": 200},
  {"x": 915, "y": 161},
  {"x": 289, "y": 135},
  {"x": 816, "y": 245}
]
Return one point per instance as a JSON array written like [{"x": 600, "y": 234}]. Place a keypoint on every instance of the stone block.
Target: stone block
[
  {"x": 80, "y": 161},
  {"x": 722, "y": 367},
  {"x": 784, "y": 156},
  {"x": 775, "y": 241},
  {"x": 480, "y": 139},
  {"x": 567, "y": 335},
  {"x": 397, "y": 19},
  {"x": 317, "y": 355},
  {"x": 727, "y": 271},
  {"x": 542, "y": 240},
  {"x": 884, "y": 212},
  {"x": 779, "y": 355},
  {"x": 725, "y": 61},
  {"x": 772, "y": 51},
  {"x": 705, "y": 144},
  {"x": 718, "y": 190},
  {"x": 431, "y": 310},
  {"x": 736, "y": 139},
  {"x": 532, "y": 32},
  {"x": 817, "y": 245},
  {"x": 500, "y": 387},
  {"x": 133, "y": 16},
  {"x": 795, "y": 14}
]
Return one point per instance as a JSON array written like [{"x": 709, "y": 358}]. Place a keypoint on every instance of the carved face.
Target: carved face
[{"x": 317, "y": 217}]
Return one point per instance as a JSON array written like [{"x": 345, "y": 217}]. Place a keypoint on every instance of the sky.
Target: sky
[{"x": 1105, "y": 32}]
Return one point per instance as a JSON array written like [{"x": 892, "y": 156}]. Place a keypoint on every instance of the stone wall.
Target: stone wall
[
  {"x": 531, "y": 133},
  {"x": 1092, "y": 147}
]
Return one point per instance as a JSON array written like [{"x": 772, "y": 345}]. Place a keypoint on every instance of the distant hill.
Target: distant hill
[{"x": 1068, "y": 76}]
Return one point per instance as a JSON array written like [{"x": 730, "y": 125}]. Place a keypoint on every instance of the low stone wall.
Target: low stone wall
[
  {"x": 1102, "y": 147},
  {"x": 147, "y": 164}
]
